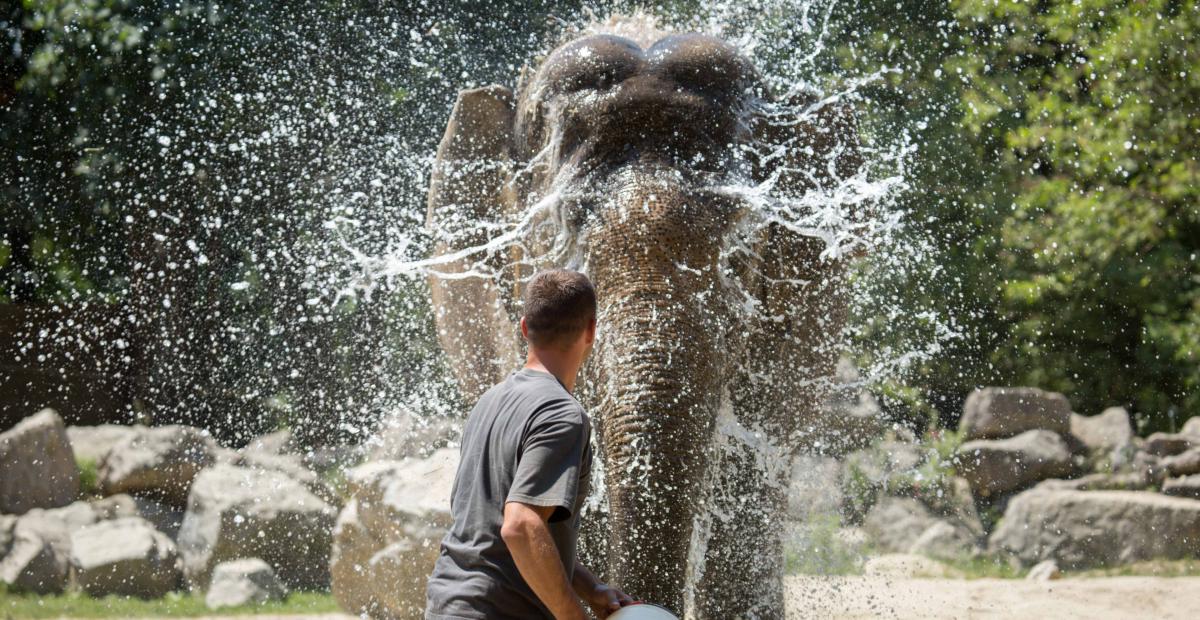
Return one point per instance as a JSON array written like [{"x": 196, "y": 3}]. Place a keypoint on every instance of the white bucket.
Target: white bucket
[{"x": 643, "y": 611}]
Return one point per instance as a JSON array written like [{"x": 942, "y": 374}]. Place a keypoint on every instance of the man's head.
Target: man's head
[{"x": 560, "y": 311}]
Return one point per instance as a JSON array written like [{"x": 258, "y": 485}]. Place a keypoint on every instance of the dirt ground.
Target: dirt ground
[
  {"x": 1161, "y": 598},
  {"x": 891, "y": 597}
]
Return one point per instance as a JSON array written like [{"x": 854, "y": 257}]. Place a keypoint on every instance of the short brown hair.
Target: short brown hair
[{"x": 559, "y": 304}]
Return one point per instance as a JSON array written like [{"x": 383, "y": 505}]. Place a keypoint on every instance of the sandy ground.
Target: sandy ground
[
  {"x": 890, "y": 597},
  {"x": 1162, "y": 598}
]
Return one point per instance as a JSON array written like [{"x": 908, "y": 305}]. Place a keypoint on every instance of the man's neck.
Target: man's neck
[{"x": 548, "y": 361}]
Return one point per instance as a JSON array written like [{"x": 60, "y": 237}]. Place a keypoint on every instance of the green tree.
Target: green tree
[{"x": 1090, "y": 107}]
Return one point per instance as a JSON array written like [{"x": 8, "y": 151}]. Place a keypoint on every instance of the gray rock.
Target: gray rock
[
  {"x": 1083, "y": 529},
  {"x": 288, "y": 464},
  {"x": 905, "y": 525},
  {"x": 1183, "y": 464},
  {"x": 278, "y": 443},
  {"x": 406, "y": 435},
  {"x": 996, "y": 413},
  {"x": 1109, "y": 431},
  {"x": 1002, "y": 465},
  {"x": 1186, "y": 486},
  {"x": 387, "y": 537},
  {"x": 158, "y": 462},
  {"x": 1125, "y": 481},
  {"x": 235, "y": 512},
  {"x": 1168, "y": 444},
  {"x": 91, "y": 443},
  {"x": 1191, "y": 427},
  {"x": 124, "y": 556},
  {"x": 38, "y": 558},
  {"x": 880, "y": 469},
  {"x": 248, "y": 581},
  {"x": 1046, "y": 570},
  {"x": 164, "y": 518},
  {"x": 7, "y": 524},
  {"x": 37, "y": 466}
]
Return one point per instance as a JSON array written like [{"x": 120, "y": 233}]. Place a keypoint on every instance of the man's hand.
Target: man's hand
[{"x": 601, "y": 597}]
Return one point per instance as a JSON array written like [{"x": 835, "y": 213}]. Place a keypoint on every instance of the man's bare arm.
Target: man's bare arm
[{"x": 532, "y": 547}]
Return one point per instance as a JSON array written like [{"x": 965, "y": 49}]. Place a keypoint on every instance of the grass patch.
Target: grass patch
[
  {"x": 15, "y": 606},
  {"x": 89, "y": 477},
  {"x": 983, "y": 567}
]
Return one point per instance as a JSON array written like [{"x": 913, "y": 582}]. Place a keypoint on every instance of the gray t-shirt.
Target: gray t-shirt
[{"x": 527, "y": 440}]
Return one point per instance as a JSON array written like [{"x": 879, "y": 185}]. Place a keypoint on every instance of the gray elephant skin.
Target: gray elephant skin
[{"x": 716, "y": 330}]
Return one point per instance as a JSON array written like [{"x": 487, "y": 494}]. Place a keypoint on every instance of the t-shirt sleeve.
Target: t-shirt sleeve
[{"x": 548, "y": 464}]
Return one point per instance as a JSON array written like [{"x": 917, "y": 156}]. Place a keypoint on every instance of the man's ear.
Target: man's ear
[{"x": 524, "y": 329}]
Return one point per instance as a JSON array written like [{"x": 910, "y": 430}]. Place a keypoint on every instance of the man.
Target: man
[{"x": 524, "y": 474}]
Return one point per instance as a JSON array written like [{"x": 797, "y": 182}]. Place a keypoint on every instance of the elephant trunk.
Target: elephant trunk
[
  {"x": 657, "y": 370},
  {"x": 660, "y": 412}
]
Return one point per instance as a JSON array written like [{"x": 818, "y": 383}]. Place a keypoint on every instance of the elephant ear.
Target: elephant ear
[
  {"x": 800, "y": 293},
  {"x": 471, "y": 290}
]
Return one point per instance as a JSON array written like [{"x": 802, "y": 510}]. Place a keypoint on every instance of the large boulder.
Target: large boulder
[
  {"x": 37, "y": 466},
  {"x": 905, "y": 525},
  {"x": 1110, "y": 431},
  {"x": 1186, "y": 486},
  {"x": 1082, "y": 529},
  {"x": 1002, "y": 465},
  {"x": 388, "y": 535},
  {"x": 38, "y": 558},
  {"x": 290, "y": 465},
  {"x": 91, "y": 443},
  {"x": 158, "y": 462},
  {"x": 404, "y": 434},
  {"x": 236, "y": 512},
  {"x": 125, "y": 556},
  {"x": 1169, "y": 444},
  {"x": 1182, "y": 464},
  {"x": 249, "y": 581},
  {"x": 1191, "y": 428},
  {"x": 996, "y": 413}
]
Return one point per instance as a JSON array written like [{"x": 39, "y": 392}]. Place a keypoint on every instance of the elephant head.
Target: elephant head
[{"x": 624, "y": 160}]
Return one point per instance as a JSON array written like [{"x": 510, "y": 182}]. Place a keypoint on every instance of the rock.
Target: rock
[
  {"x": 388, "y": 535},
  {"x": 125, "y": 556},
  {"x": 1002, "y": 465},
  {"x": 1109, "y": 431},
  {"x": 996, "y": 413},
  {"x": 278, "y": 443},
  {"x": 235, "y": 512},
  {"x": 37, "y": 466},
  {"x": 1046, "y": 570},
  {"x": 158, "y": 462},
  {"x": 292, "y": 466},
  {"x": 164, "y": 518},
  {"x": 249, "y": 581},
  {"x": 905, "y": 525},
  {"x": 406, "y": 435},
  {"x": 1083, "y": 529},
  {"x": 1191, "y": 428},
  {"x": 1126, "y": 481},
  {"x": 38, "y": 557},
  {"x": 91, "y": 443},
  {"x": 7, "y": 524},
  {"x": 1168, "y": 444},
  {"x": 904, "y": 565},
  {"x": 815, "y": 488},
  {"x": 1183, "y": 464},
  {"x": 1186, "y": 486}
]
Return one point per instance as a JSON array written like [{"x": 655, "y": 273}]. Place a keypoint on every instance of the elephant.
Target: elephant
[{"x": 621, "y": 154}]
